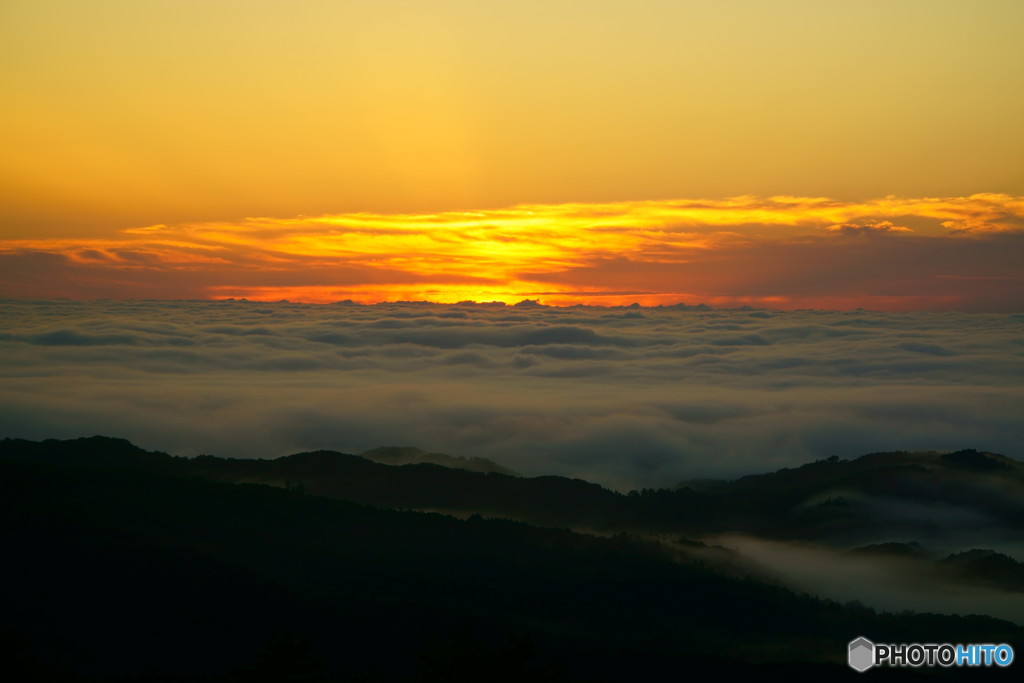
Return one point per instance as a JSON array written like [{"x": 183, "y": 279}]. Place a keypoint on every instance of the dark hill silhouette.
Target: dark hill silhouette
[
  {"x": 882, "y": 497},
  {"x": 408, "y": 455},
  {"x": 116, "y": 570},
  {"x": 986, "y": 567},
  {"x": 978, "y": 566}
]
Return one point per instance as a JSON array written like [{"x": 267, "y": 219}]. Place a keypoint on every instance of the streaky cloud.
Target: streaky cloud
[{"x": 931, "y": 253}]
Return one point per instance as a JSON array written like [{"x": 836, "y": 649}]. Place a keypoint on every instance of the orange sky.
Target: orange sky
[
  {"x": 781, "y": 252},
  {"x": 504, "y": 150}
]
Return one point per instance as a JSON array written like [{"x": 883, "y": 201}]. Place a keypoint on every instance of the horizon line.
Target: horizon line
[{"x": 522, "y": 304}]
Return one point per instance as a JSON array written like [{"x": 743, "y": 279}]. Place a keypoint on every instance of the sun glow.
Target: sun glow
[{"x": 743, "y": 250}]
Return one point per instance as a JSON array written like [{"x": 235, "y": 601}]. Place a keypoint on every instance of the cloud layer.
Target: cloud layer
[
  {"x": 953, "y": 253},
  {"x": 628, "y": 396}
]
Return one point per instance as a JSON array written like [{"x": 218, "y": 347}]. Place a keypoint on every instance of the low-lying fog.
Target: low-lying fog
[
  {"x": 627, "y": 397},
  {"x": 885, "y": 583}
]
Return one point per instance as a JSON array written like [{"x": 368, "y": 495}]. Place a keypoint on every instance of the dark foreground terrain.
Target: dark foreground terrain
[{"x": 127, "y": 565}]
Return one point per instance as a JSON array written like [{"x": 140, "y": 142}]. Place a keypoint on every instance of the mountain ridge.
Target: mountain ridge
[
  {"x": 185, "y": 577},
  {"x": 843, "y": 501}
]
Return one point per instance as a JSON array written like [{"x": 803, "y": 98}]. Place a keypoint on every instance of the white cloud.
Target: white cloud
[{"x": 638, "y": 400}]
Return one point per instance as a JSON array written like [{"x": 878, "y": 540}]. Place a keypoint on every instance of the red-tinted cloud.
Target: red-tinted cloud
[{"x": 788, "y": 252}]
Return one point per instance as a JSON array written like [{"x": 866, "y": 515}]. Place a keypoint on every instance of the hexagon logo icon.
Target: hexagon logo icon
[{"x": 862, "y": 654}]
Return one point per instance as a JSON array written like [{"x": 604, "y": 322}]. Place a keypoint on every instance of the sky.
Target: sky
[{"x": 781, "y": 154}]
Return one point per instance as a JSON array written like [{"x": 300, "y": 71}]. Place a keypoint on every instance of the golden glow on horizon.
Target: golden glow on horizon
[{"x": 650, "y": 252}]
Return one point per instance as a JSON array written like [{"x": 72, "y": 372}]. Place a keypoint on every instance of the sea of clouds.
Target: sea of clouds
[{"x": 628, "y": 397}]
